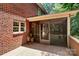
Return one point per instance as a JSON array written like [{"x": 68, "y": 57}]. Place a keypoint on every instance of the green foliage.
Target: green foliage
[
  {"x": 75, "y": 19},
  {"x": 75, "y": 25},
  {"x": 48, "y": 6},
  {"x": 70, "y": 6},
  {"x": 57, "y": 8},
  {"x": 63, "y": 7}
]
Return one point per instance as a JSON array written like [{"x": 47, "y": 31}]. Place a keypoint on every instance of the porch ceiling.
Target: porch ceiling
[{"x": 53, "y": 16}]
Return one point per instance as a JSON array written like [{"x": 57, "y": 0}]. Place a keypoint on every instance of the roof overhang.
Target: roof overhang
[
  {"x": 53, "y": 16},
  {"x": 43, "y": 9}
]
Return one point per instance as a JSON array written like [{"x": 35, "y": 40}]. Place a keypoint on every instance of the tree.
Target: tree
[
  {"x": 57, "y": 8},
  {"x": 63, "y": 7},
  {"x": 48, "y": 6},
  {"x": 70, "y": 6},
  {"x": 75, "y": 25},
  {"x": 75, "y": 19}
]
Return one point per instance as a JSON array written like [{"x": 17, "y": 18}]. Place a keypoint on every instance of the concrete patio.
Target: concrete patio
[{"x": 36, "y": 49}]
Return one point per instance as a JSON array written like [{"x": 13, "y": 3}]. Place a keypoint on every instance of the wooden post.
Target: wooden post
[
  {"x": 40, "y": 32},
  {"x": 68, "y": 30}
]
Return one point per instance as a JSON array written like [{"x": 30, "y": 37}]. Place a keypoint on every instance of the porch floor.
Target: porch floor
[{"x": 36, "y": 49}]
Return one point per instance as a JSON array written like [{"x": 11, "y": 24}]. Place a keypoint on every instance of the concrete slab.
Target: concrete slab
[{"x": 39, "y": 50}]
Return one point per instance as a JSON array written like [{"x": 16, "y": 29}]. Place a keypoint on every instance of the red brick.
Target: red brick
[{"x": 8, "y": 13}]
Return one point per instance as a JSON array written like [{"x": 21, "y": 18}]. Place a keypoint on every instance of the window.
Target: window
[
  {"x": 22, "y": 26},
  {"x": 19, "y": 27},
  {"x": 15, "y": 26}
]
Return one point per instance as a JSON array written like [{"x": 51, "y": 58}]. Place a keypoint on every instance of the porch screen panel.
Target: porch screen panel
[{"x": 58, "y": 32}]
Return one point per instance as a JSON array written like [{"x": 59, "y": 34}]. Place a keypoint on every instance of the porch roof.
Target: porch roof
[{"x": 53, "y": 16}]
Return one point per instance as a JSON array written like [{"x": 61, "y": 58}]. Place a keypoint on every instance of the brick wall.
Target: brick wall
[
  {"x": 74, "y": 45},
  {"x": 25, "y": 9},
  {"x": 0, "y": 36},
  {"x": 8, "y": 41}
]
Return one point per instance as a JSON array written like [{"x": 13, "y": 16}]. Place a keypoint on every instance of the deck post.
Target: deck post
[
  {"x": 68, "y": 30},
  {"x": 40, "y": 32}
]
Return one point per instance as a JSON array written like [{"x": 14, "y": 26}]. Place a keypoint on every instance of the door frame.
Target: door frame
[{"x": 44, "y": 41}]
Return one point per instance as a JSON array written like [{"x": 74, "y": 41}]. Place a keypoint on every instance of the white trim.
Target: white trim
[
  {"x": 17, "y": 32},
  {"x": 75, "y": 39},
  {"x": 20, "y": 27}
]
